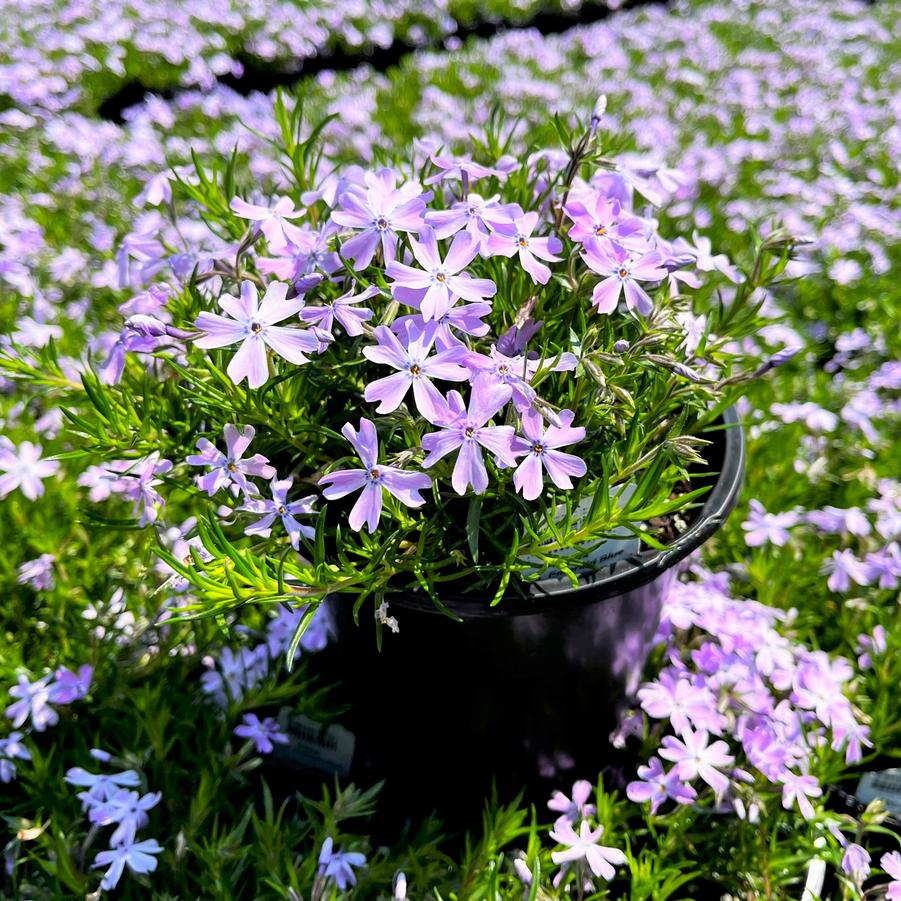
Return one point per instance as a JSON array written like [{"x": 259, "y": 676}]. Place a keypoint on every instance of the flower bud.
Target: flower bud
[
  {"x": 620, "y": 346},
  {"x": 146, "y": 326}
]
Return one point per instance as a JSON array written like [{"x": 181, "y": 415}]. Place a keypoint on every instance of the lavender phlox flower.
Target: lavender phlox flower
[
  {"x": 309, "y": 252},
  {"x": 584, "y": 845},
  {"x": 372, "y": 478},
  {"x": 143, "y": 246},
  {"x": 849, "y": 734},
  {"x": 272, "y": 221},
  {"x": 438, "y": 280},
  {"x": 887, "y": 507},
  {"x": 577, "y": 807},
  {"x": 509, "y": 238},
  {"x": 253, "y": 324},
  {"x": 497, "y": 368},
  {"x": 656, "y": 785},
  {"x": 281, "y": 629},
  {"x": 157, "y": 190},
  {"x": 672, "y": 696},
  {"x": 622, "y": 273},
  {"x": 799, "y": 789},
  {"x": 465, "y": 318},
  {"x": 11, "y": 749},
  {"x": 279, "y": 507},
  {"x": 891, "y": 863},
  {"x": 261, "y": 732},
  {"x": 768, "y": 528},
  {"x": 475, "y": 214},
  {"x": 596, "y": 216},
  {"x": 461, "y": 168},
  {"x": 33, "y": 704},
  {"x": 541, "y": 449},
  {"x": 844, "y": 568},
  {"x": 38, "y": 573},
  {"x": 100, "y": 788},
  {"x": 861, "y": 410},
  {"x": 137, "y": 856},
  {"x": 467, "y": 430},
  {"x": 694, "y": 327},
  {"x": 885, "y": 566},
  {"x": 139, "y": 484},
  {"x": 69, "y": 686},
  {"x": 819, "y": 685},
  {"x": 695, "y": 758},
  {"x": 344, "y": 310},
  {"x": 856, "y": 862},
  {"x": 869, "y": 646},
  {"x": 230, "y": 469},
  {"x": 22, "y": 467},
  {"x": 815, "y": 417},
  {"x": 707, "y": 261},
  {"x": 338, "y": 866},
  {"x": 834, "y": 519},
  {"x": 409, "y": 353},
  {"x": 128, "y": 810},
  {"x": 380, "y": 211},
  {"x": 235, "y": 673}
]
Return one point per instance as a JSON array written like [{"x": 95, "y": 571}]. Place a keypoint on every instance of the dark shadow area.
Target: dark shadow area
[{"x": 261, "y": 76}]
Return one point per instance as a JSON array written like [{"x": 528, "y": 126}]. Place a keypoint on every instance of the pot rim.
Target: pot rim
[{"x": 623, "y": 576}]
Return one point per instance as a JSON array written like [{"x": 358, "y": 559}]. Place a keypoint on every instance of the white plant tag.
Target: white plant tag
[
  {"x": 607, "y": 552},
  {"x": 884, "y": 785},
  {"x": 316, "y": 746}
]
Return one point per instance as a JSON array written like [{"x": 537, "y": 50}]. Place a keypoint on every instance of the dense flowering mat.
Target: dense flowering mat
[{"x": 132, "y": 746}]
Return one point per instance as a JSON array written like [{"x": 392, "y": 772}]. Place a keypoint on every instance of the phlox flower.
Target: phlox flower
[
  {"x": 844, "y": 568},
  {"x": 279, "y": 507},
  {"x": 509, "y": 238},
  {"x": 763, "y": 527},
  {"x": 344, "y": 310},
  {"x": 230, "y": 469},
  {"x": 656, "y": 785},
  {"x": 410, "y": 354},
  {"x": 475, "y": 214},
  {"x": 707, "y": 261},
  {"x": 338, "y": 866},
  {"x": 891, "y": 863},
  {"x": 253, "y": 325},
  {"x": 540, "y": 447},
  {"x": 141, "y": 483},
  {"x": 834, "y": 519},
  {"x": 577, "y": 808},
  {"x": 584, "y": 845},
  {"x": 459, "y": 167},
  {"x": 695, "y": 758},
  {"x": 273, "y": 222},
  {"x": 23, "y": 468},
  {"x": 128, "y": 810},
  {"x": 137, "y": 856},
  {"x": 597, "y": 216},
  {"x": 11, "y": 749},
  {"x": 433, "y": 285},
  {"x": 856, "y": 862},
  {"x": 622, "y": 273},
  {"x": 100, "y": 788},
  {"x": 33, "y": 704},
  {"x": 234, "y": 673},
  {"x": 465, "y": 318},
  {"x": 799, "y": 789},
  {"x": 38, "y": 573},
  {"x": 283, "y": 625},
  {"x": 467, "y": 429},
  {"x": 69, "y": 686},
  {"x": 380, "y": 212},
  {"x": 373, "y": 478},
  {"x": 261, "y": 732}
]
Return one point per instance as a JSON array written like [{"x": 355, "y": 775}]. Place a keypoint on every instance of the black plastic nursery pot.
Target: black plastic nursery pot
[{"x": 523, "y": 694}]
